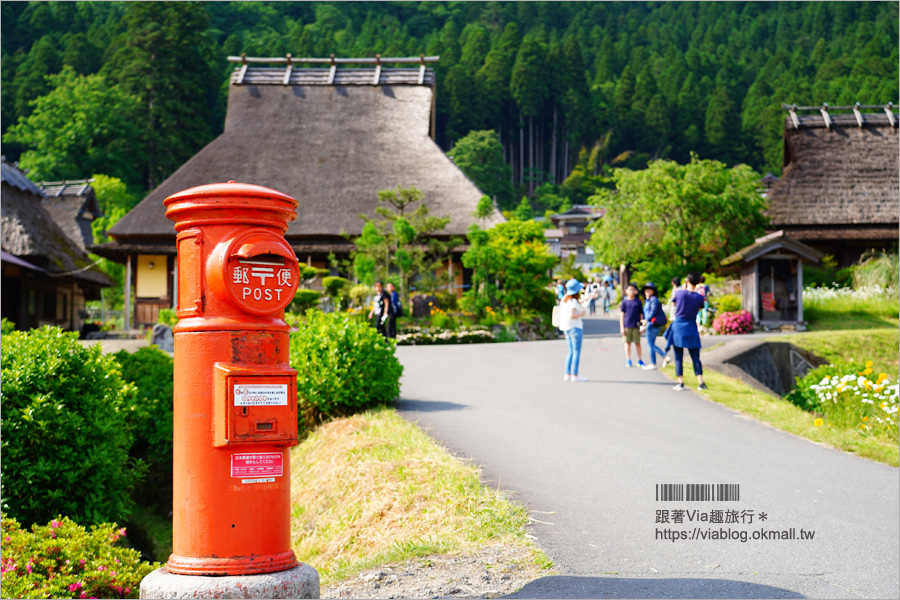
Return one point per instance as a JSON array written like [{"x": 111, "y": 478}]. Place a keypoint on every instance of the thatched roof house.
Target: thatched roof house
[
  {"x": 840, "y": 188},
  {"x": 47, "y": 276},
  {"x": 330, "y": 138},
  {"x": 74, "y": 206}
]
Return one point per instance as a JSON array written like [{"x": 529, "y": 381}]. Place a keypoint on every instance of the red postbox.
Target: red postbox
[{"x": 235, "y": 413}]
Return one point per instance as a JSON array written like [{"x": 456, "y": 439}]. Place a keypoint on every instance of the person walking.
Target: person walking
[
  {"x": 381, "y": 309},
  {"x": 685, "y": 334},
  {"x": 654, "y": 320},
  {"x": 560, "y": 289},
  {"x": 630, "y": 311},
  {"x": 605, "y": 295},
  {"x": 703, "y": 290},
  {"x": 592, "y": 290},
  {"x": 571, "y": 311},
  {"x": 396, "y": 310}
]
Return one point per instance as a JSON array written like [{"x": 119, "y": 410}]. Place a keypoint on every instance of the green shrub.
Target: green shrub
[
  {"x": 359, "y": 293},
  {"x": 335, "y": 287},
  {"x": 63, "y": 560},
  {"x": 876, "y": 269},
  {"x": 65, "y": 435},
  {"x": 168, "y": 316},
  {"x": 806, "y": 398},
  {"x": 343, "y": 366},
  {"x": 6, "y": 326},
  {"x": 447, "y": 300},
  {"x": 150, "y": 418},
  {"x": 727, "y": 303},
  {"x": 304, "y": 300}
]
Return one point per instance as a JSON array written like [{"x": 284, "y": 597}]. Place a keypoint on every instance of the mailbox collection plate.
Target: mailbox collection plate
[{"x": 255, "y": 406}]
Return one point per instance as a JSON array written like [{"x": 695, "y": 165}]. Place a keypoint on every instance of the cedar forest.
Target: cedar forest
[{"x": 572, "y": 89}]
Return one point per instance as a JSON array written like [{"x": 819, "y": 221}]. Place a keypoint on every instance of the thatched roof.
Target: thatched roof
[
  {"x": 331, "y": 147},
  {"x": 30, "y": 233},
  {"x": 73, "y": 205},
  {"x": 839, "y": 171}
]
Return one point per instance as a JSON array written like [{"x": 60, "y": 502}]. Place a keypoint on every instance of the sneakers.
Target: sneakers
[
  {"x": 628, "y": 364},
  {"x": 702, "y": 386},
  {"x": 566, "y": 377},
  {"x": 649, "y": 367},
  {"x": 641, "y": 363},
  {"x": 678, "y": 387},
  {"x": 666, "y": 361},
  {"x": 578, "y": 378}
]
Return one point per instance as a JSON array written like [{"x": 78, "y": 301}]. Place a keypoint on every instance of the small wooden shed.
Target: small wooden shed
[{"x": 772, "y": 278}]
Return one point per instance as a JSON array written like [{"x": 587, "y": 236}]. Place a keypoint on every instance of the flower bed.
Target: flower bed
[
  {"x": 733, "y": 322},
  {"x": 427, "y": 336}
]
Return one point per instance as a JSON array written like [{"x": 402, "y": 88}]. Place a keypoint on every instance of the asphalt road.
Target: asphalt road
[{"x": 585, "y": 459}]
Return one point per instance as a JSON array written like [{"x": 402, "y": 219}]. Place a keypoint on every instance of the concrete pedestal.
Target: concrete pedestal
[{"x": 300, "y": 582}]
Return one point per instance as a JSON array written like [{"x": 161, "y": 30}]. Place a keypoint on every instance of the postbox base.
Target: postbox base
[
  {"x": 300, "y": 582},
  {"x": 252, "y": 565}
]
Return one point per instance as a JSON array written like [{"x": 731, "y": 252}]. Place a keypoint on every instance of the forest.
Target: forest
[{"x": 134, "y": 89}]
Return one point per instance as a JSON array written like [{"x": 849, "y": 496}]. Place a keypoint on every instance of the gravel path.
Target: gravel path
[{"x": 492, "y": 572}]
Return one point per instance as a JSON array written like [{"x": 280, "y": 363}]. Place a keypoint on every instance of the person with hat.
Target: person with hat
[
  {"x": 654, "y": 320},
  {"x": 571, "y": 311}
]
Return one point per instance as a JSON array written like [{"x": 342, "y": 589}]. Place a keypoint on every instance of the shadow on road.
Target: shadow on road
[
  {"x": 601, "y": 326},
  {"x": 561, "y": 586},
  {"x": 425, "y": 406}
]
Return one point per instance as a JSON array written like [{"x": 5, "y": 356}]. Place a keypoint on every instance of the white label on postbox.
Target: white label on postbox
[
  {"x": 260, "y": 395},
  {"x": 257, "y": 464}
]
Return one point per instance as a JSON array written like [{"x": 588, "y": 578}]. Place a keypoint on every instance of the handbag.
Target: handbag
[{"x": 554, "y": 316}]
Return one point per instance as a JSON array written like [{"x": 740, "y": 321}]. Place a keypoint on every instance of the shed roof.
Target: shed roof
[
  {"x": 840, "y": 172},
  {"x": 770, "y": 243},
  {"x": 29, "y": 232},
  {"x": 331, "y": 147}
]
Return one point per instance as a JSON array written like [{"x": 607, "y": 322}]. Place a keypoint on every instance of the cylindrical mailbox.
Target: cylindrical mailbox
[{"x": 235, "y": 412}]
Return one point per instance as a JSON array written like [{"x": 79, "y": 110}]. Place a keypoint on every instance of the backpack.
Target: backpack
[{"x": 398, "y": 308}]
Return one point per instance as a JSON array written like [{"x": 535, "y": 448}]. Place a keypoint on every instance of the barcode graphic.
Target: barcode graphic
[{"x": 698, "y": 492}]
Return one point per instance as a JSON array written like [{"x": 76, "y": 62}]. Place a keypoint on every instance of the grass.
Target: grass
[
  {"x": 881, "y": 346},
  {"x": 372, "y": 489},
  {"x": 783, "y": 415},
  {"x": 851, "y": 311}
]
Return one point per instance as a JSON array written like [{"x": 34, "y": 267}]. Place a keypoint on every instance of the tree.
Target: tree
[
  {"x": 509, "y": 263},
  {"x": 480, "y": 156},
  {"x": 83, "y": 125},
  {"x": 402, "y": 241},
  {"x": 523, "y": 211},
  {"x": 691, "y": 215},
  {"x": 484, "y": 209},
  {"x": 164, "y": 58}
]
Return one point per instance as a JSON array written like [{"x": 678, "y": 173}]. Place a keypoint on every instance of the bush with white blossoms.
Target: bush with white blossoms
[
  {"x": 834, "y": 292},
  {"x": 858, "y": 400},
  {"x": 426, "y": 336}
]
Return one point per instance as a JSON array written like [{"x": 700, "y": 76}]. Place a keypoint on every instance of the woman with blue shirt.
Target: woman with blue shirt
[
  {"x": 684, "y": 329},
  {"x": 654, "y": 320}
]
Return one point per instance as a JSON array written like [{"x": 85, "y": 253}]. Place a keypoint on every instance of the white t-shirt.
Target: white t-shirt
[{"x": 566, "y": 322}]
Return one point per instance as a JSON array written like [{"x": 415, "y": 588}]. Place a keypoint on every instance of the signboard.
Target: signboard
[
  {"x": 260, "y": 395},
  {"x": 257, "y": 464}
]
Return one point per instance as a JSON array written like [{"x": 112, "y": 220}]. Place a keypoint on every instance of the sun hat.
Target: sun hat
[
  {"x": 649, "y": 285},
  {"x": 573, "y": 286}
]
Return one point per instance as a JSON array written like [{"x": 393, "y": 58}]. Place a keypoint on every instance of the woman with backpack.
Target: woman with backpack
[{"x": 654, "y": 320}]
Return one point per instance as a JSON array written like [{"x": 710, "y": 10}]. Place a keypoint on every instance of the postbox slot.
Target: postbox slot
[
  {"x": 265, "y": 425},
  {"x": 263, "y": 259}
]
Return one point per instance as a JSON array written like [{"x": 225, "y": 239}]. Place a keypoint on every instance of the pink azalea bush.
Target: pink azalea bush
[
  {"x": 63, "y": 560},
  {"x": 739, "y": 321}
]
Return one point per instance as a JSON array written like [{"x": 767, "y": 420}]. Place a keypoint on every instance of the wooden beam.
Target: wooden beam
[
  {"x": 341, "y": 61},
  {"x": 332, "y": 70},
  {"x": 127, "y": 311},
  {"x": 243, "y": 72},
  {"x": 890, "y": 113},
  {"x": 287, "y": 71},
  {"x": 859, "y": 117},
  {"x": 825, "y": 115},
  {"x": 422, "y": 69},
  {"x": 377, "y": 70},
  {"x": 794, "y": 119}
]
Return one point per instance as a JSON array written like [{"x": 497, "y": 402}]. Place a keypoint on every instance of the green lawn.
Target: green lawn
[{"x": 881, "y": 346}]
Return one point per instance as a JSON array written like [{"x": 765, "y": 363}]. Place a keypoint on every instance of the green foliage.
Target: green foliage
[
  {"x": 65, "y": 430},
  {"x": 83, "y": 125},
  {"x": 727, "y": 302},
  {"x": 484, "y": 209},
  {"x": 64, "y": 560},
  {"x": 343, "y": 366},
  {"x": 671, "y": 214},
  {"x": 6, "y": 326},
  {"x": 567, "y": 270},
  {"x": 826, "y": 274},
  {"x": 335, "y": 286},
  {"x": 877, "y": 269},
  {"x": 151, "y": 371},
  {"x": 515, "y": 255},
  {"x": 358, "y": 295},
  {"x": 168, "y": 316},
  {"x": 523, "y": 211},
  {"x": 402, "y": 241},
  {"x": 480, "y": 156},
  {"x": 806, "y": 398},
  {"x": 304, "y": 300}
]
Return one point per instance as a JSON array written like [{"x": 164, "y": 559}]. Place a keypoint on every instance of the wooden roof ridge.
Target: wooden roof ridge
[
  {"x": 69, "y": 187},
  {"x": 827, "y": 117},
  {"x": 773, "y": 241},
  {"x": 247, "y": 74}
]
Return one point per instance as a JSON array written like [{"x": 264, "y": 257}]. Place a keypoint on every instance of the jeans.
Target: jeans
[
  {"x": 605, "y": 306},
  {"x": 573, "y": 339},
  {"x": 652, "y": 332},
  {"x": 593, "y": 306},
  {"x": 679, "y": 360}
]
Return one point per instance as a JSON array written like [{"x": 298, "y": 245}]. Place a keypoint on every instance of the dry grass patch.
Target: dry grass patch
[{"x": 373, "y": 489}]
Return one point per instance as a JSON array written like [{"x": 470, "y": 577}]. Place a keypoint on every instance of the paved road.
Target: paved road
[{"x": 584, "y": 458}]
